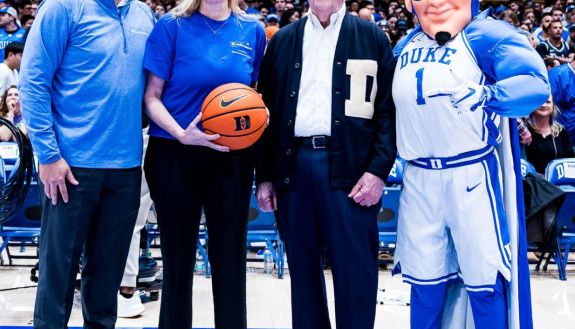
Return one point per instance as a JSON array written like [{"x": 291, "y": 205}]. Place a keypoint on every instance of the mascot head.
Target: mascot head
[{"x": 443, "y": 19}]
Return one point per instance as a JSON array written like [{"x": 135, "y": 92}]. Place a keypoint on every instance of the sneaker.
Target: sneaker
[
  {"x": 147, "y": 269},
  {"x": 130, "y": 307}
]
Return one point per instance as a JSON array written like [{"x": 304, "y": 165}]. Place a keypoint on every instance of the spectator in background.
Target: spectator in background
[
  {"x": 557, "y": 14},
  {"x": 279, "y": 8},
  {"x": 555, "y": 46},
  {"x": 369, "y": 5},
  {"x": 10, "y": 110},
  {"x": 537, "y": 9},
  {"x": 570, "y": 16},
  {"x": 514, "y": 7},
  {"x": 10, "y": 30},
  {"x": 27, "y": 21},
  {"x": 264, "y": 11},
  {"x": 272, "y": 26},
  {"x": 24, "y": 8},
  {"x": 353, "y": 6},
  {"x": 251, "y": 7},
  {"x": 3, "y": 4},
  {"x": 160, "y": 10},
  {"x": 551, "y": 63},
  {"x": 382, "y": 24},
  {"x": 392, "y": 21},
  {"x": 9, "y": 69},
  {"x": 541, "y": 33},
  {"x": 562, "y": 81},
  {"x": 571, "y": 40},
  {"x": 530, "y": 16},
  {"x": 289, "y": 16},
  {"x": 34, "y": 9},
  {"x": 549, "y": 139},
  {"x": 151, "y": 4},
  {"x": 510, "y": 17},
  {"x": 391, "y": 8}
]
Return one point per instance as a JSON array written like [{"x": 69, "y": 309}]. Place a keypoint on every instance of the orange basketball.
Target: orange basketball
[{"x": 237, "y": 113}]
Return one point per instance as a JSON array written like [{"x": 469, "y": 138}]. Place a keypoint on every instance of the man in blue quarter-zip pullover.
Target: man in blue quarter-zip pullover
[{"x": 81, "y": 89}]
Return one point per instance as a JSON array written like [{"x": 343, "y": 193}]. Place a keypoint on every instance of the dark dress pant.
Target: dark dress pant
[
  {"x": 183, "y": 180},
  {"x": 317, "y": 218},
  {"x": 97, "y": 223}
]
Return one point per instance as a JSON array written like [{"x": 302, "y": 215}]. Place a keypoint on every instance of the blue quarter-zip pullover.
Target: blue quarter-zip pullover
[{"x": 82, "y": 82}]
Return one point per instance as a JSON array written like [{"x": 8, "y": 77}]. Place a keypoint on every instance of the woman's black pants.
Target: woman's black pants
[{"x": 183, "y": 180}]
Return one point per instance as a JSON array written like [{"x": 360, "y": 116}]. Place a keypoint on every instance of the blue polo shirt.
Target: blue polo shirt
[{"x": 196, "y": 54}]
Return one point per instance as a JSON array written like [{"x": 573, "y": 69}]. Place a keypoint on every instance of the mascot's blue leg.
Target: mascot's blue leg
[
  {"x": 427, "y": 305},
  {"x": 490, "y": 308}
]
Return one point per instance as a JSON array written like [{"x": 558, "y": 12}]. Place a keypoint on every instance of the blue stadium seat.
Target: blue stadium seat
[
  {"x": 2, "y": 172},
  {"x": 561, "y": 172},
  {"x": 262, "y": 228},
  {"x": 389, "y": 212},
  {"x": 527, "y": 168},
  {"x": 24, "y": 228},
  {"x": 10, "y": 154},
  {"x": 396, "y": 174}
]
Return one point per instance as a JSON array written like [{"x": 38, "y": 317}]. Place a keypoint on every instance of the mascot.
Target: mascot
[{"x": 460, "y": 76}]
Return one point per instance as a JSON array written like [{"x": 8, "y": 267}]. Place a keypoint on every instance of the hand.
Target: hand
[
  {"x": 368, "y": 190},
  {"x": 267, "y": 111},
  {"x": 266, "y": 197},
  {"x": 11, "y": 107},
  {"x": 526, "y": 138},
  {"x": 54, "y": 177},
  {"x": 466, "y": 96},
  {"x": 194, "y": 136}
]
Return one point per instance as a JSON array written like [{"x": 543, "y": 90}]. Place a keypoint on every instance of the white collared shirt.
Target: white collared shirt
[{"x": 313, "y": 114}]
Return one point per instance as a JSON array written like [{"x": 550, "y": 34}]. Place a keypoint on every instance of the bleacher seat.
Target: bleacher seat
[
  {"x": 262, "y": 228},
  {"x": 527, "y": 168},
  {"x": 10, "y": 154},
  {"x": 561, "y": 172},
  {"x": 389, "y": 212},
  {"x": 24, "y": 228},
  {"x": 2, "y": 172},
  {"x": 396, "y": 173}
]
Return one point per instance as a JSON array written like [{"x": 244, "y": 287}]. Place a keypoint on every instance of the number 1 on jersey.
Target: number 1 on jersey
[{"x": 419, "y": 77}]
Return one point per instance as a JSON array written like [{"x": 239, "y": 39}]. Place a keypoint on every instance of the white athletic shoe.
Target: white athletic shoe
[{"x": 130, "y": 307}]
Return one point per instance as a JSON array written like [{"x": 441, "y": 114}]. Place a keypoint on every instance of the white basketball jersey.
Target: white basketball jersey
[{"x": 431, "y": 126}]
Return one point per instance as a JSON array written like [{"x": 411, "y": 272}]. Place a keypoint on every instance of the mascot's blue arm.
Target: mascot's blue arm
[{"x": 516, "y": 77}]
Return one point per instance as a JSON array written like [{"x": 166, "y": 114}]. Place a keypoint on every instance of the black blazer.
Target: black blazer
[{"x": 358, "y": 144}]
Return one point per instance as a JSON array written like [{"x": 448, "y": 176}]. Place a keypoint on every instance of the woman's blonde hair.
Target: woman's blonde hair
[
  {"x": 188, "y": 7},
  {"x": 556, "y": 127}
]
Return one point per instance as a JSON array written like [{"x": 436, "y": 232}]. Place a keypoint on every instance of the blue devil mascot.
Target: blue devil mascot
[{"x": 460, "y": 77}]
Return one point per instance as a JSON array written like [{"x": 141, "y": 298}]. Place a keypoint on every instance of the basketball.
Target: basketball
[{"x": 237, "y": 113}]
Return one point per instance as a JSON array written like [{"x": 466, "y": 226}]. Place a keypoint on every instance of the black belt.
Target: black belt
[{"x": 317, "y": 142}]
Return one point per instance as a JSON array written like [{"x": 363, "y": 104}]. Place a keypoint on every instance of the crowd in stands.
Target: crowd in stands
[{"x": 548, "y": 25}]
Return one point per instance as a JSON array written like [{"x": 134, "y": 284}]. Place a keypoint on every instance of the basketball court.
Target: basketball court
[{"x": 268, "y": 300}]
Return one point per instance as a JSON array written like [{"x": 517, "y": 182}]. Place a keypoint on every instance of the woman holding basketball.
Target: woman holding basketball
[{"x": 198, "y": 46}]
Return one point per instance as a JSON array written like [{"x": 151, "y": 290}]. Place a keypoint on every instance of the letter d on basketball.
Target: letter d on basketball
[{"x": 243, "y": 122}]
